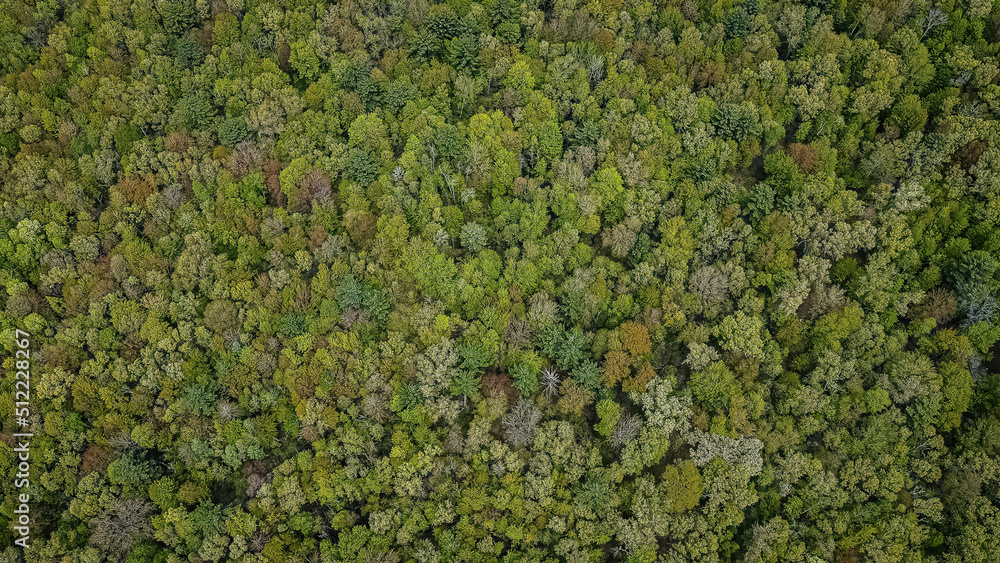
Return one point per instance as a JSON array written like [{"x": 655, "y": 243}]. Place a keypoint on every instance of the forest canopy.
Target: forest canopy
[{"x": 577, "y": 280}]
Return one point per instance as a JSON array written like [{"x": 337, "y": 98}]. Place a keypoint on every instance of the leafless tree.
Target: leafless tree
[
  {"x": 258, "y": 541},
  {"x": 550, "y": 382},
  {"x": 315, "y": 186},
  {"x": 245, "y": 157},
  {"x": 627, "y": 428},
  {"x": 375, "y": 405},
  {"x": 518, "y": 333},
  {"x": 521, "y": 423},
  {"x": 710, "y": 284},
  {"x": 228, "y": 410},
  {"x": 595, "y": 69},
  {"x": 934, "y": 18},
  {"x": 122, "y": 441},
  {"x": 122, "y": 525}
]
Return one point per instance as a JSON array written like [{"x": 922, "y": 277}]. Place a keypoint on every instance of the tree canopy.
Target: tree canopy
[{"x": 503, "y": 281}]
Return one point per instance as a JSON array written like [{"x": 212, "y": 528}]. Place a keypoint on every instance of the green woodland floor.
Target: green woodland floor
[{"x": 574, "y": 281}]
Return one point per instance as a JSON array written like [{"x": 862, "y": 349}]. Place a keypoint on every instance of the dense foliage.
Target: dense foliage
[{"x": 564, "y": 281}]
